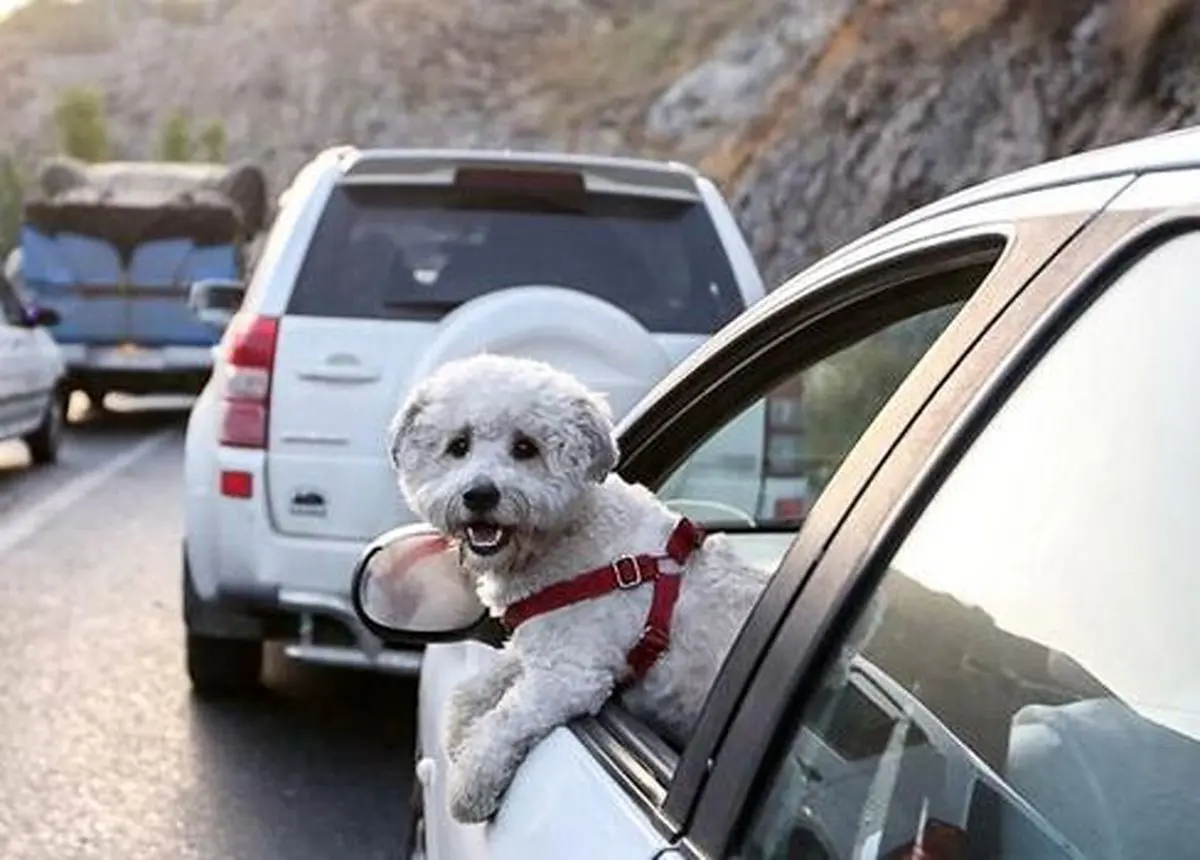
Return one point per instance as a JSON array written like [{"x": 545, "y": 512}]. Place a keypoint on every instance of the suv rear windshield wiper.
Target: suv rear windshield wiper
[{"x": 421, "y": 308}]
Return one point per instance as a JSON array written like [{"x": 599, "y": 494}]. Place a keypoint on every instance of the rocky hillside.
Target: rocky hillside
[{"x": 822, "y": 118}]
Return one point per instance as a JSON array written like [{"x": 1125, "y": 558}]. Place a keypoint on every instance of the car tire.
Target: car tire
[
  {"x": 416, "y": 839},
  {"x": 44, "y": 442},
  {"x": 219, "y": 666}
]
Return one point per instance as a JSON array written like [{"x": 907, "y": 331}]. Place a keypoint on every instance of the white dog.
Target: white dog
[{"x": 513, "y": 459}]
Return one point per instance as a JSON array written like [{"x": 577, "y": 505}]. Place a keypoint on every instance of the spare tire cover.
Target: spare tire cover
[{"x": 594, "y": 340}]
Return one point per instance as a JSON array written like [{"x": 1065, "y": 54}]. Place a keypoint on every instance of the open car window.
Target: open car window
[
  {"x": 755, "y": 471},
  {"x": 758, "y": 475}
]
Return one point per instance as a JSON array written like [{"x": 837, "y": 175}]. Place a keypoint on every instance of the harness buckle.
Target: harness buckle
[{"x": 635, "y": 578}]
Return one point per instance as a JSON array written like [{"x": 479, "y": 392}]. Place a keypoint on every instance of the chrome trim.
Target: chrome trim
[
  {"x": 406, "y": 663},
  {"x": 369, "y": 652}
]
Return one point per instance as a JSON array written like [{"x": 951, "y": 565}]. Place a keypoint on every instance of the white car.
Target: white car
[
  {"x": 33, "y": 399},
  {"x": 981, "y": 641},
  {"x": 380, "y": 265}
]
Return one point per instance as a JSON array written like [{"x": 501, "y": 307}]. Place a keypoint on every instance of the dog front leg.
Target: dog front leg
[
  {"x": 473, "y": 697},
  {"x": 537, "y": 703}
]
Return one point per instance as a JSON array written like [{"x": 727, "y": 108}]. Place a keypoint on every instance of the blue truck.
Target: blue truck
[{"x": 115, "y": 248}]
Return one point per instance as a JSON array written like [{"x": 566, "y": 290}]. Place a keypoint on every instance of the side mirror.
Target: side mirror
[
  {"x": 409, "y": 588},
  {"x": 215, "y": 300},
  {"x": 36, "y": 317}
]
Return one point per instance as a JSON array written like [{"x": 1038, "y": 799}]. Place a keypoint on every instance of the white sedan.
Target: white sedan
[
  {"x": 981, "y": 641},
  {"x": 32, "y": 398}
]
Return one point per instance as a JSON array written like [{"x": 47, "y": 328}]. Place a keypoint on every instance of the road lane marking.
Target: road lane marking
[{"x": 74, "y": 491}]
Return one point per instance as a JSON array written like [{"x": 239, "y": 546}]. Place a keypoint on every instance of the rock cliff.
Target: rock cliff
[{"x": 821, "y": 118}]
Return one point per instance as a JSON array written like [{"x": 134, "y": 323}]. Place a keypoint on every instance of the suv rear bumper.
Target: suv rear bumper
[
  {"x": 366, "y": 651},
  {"x": 287, "y": 588},
  {"x": 174, "y": 369}
]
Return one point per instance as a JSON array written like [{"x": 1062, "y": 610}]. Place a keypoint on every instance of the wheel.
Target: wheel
[
  {"x": 416, "y": 828},
  {"x": 416, "y": 842},
  {"x": 44, "y": 442},
  {"x": 224, "y": 651},
  {"x": 219, "y": 666}
]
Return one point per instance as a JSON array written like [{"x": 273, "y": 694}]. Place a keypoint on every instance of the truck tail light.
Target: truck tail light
[
  {"x": 784, "y": 447},
  {"x": 783, "y": 432},
  {"x": 249, "y": 360}
]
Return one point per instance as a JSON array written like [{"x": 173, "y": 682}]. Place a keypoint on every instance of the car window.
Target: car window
[
  {"x": 1023, "y": 681},
  {"x": 12, "y": 309},
  {"x": 404, "y": 252},
  {"x": 764, "y": 469}
]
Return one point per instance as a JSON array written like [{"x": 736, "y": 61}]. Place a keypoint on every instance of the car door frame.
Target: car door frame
[
  {"x": 766, "y": 344},
  {"x": 841, "y": 574}
]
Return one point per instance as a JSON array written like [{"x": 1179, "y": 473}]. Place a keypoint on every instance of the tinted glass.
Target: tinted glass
[
  {"x": 394, "y": 252},
  {"x": 767, "y": 466},
  {"x": 1025, "y": 680}
]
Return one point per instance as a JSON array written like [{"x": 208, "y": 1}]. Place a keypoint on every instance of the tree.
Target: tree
[
  {"x": 82, "y": 126},
  {"x": 175, "y": 141},
  {"x": 212, "y": 142}
]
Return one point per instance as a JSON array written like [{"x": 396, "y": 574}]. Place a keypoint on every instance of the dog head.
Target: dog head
[{"x": 498, "y": 452}]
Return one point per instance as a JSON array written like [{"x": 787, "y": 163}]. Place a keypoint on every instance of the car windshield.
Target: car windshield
[{"x": 403, "y": 252}]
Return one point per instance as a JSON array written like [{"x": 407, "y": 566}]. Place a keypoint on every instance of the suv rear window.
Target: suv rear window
[{"x": 404, "y": 252}]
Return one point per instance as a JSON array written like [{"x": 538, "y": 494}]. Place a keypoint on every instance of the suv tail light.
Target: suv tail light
[
  {"x": 249, "y": 360},
  {"x": 509, "y": 179}
]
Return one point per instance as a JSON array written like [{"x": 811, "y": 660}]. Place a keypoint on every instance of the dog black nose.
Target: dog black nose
[{"x": 482, "y": 497}]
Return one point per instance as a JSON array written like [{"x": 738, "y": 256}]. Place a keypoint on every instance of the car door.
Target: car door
[
  {"x": 607, "y": 787},
  {"x": 18, "y": 366},
  {"x": 995, "y": 640}
]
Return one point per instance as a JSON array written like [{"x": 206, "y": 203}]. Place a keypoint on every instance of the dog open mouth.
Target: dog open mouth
[{"x": 485, "y": 538}]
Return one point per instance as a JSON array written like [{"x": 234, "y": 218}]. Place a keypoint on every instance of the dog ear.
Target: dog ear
[
  {"x": 595, "y": 423},
  {"x": 402, "y": 424}
]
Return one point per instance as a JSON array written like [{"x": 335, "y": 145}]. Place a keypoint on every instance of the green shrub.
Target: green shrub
[
  {"x": 81, "y": 124},
  {"x": 212, "y": 142},
  {"x": 175, "y": 141}
]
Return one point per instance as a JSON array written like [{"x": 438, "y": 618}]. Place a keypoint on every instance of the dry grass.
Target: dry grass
[
  {"x": 620, "y": 66},
  {"x": 1137, "y": 23},
  {"x": 54, "y": 26},
  {"x": 875, "y": 28},
  {"x": 185, "y": 12}
]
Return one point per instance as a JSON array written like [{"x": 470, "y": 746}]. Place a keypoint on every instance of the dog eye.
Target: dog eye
[
  {"x": 524, "y": 448},
  {"x": 458, "y": 447}
]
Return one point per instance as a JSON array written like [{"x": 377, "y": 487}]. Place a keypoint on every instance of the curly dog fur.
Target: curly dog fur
[{"x": 513, "y": 459}]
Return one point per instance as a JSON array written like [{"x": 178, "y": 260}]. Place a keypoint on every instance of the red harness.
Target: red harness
[{"x": 628, "y": 571}]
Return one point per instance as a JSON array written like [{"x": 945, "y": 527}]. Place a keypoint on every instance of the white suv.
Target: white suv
[{"x": 382, "y": 264}]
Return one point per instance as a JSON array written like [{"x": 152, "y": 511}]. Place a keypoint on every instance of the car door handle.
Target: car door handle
[
  {"x": 340, "y": 367},
  {"x": 327, "y": 374}
]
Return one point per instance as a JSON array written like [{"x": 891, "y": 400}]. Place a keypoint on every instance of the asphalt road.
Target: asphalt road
[{"x": 104, "y": 753}]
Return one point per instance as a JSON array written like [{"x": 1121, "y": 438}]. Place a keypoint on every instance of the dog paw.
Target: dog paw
[
  {"x": 472, "y": 800},
  {"x": 454, "y": 736}
]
